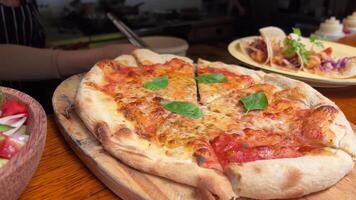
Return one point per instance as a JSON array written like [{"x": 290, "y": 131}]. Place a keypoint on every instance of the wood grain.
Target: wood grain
[
  {"x": 16, "y": 174},
  {"x": 129, "y": 183},
  {"x": 61, "y": 175}
]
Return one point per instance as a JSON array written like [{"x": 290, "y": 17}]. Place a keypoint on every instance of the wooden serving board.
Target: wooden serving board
[{"x": 129, "y": 183}]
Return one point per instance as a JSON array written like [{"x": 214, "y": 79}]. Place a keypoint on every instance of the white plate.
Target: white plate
[{"x": 339, "y": 50}]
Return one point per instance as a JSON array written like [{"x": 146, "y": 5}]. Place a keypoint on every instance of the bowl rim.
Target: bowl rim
[{"x": 26, "y": 152}]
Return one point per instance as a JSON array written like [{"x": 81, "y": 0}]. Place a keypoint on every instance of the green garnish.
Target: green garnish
[
  {"x": 157, "y": 83},
  {"x": 4, "y": 128},
  {"x": 183, "y": 108},
  {"x": 3, "y": 162},
  {"x": 296, "y": 46},
  {"x": 2, "y": 99},
  {"x": 316, "y": 40},
  {"x": 297, "y": 31},
  {"x": 255, "y": 101},
  {"x": 211, "y": 78},
  {"x": 22, "y": 130}
]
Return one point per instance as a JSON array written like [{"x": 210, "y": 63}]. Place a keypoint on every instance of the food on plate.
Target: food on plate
[
  {"x": 13, "y": 135},
  {"x": 293, "y": 53},
  {"x": 256, "y": 49},
  {"x": 229, "y": 131},
  {"x": 324, "y": 64},
  {"x": 286, "y": 51}
]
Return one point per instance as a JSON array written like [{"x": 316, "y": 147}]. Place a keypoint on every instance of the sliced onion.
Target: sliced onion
[
  {"x": 16, "y": 126},
  {"x": 19, "y": 137},
  {"x": 10, "y": 120}
]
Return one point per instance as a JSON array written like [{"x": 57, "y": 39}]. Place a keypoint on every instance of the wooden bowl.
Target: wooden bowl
[{"x": 16, "y": 174}]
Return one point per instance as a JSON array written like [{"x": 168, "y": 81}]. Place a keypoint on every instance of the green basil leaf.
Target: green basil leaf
[
  {"x": 183, "y": 108},
  {"x": 255, "y": 101},
  {"x": 157, "y": 83},
  {"x": 211, "y": 78}
]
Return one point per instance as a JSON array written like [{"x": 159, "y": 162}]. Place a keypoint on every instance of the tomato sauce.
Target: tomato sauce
[{"x": 233, "y": 149}]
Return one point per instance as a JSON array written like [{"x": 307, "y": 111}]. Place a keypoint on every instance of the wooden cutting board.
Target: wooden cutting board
[{"x": 129, "y": 183}]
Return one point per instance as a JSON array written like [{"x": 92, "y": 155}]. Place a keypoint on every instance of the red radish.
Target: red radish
[
  {"x": 9, "y": 148},
  {"x": 13, "y": 107}
]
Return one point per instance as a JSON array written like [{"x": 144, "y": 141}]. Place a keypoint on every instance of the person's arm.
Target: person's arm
[
  {"x": 27, "y": 63},
  {"x": 11, "y": 3}
]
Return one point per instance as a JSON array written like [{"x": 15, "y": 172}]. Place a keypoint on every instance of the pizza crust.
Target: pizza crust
[
  {"x": 256, "y": 75},
  {"x": 127, "y": 60},
  {"x": 289, "y": 177},
  {"x": 206, "y": 179},
  {"x": 148, "y": 57}
]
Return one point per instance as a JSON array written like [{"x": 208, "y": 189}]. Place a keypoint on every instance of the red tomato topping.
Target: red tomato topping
[
  {"x": 9, "y": 148},
  {"x": 233, "y": 149},
  {"x": 328, "y": 51},
  {"x": 13, "y": 107}
]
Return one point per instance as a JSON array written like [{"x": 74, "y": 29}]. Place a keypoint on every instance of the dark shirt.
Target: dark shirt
[{"x": 21, "y": 25}]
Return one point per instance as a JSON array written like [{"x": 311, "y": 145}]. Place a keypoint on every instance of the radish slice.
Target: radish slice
[
  {"x": 10, "y": 120},
  {"x": 16, "y": 126}
]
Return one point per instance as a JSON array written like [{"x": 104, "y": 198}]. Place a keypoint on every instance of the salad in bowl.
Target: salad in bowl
[
  {"x": 13, "y": 134},
  {"x": 23, "y": 128}
]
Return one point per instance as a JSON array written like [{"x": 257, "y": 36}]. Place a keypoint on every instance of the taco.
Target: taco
[
  {"x": 255, "y": 48},
  {"x": 277, "y": 46},
  {"x": 322, "y": 63}
]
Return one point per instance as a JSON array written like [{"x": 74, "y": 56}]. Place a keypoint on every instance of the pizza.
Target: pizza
[
  {"x": 293, "y": 53},
  {"x": 226, "y": 130}
]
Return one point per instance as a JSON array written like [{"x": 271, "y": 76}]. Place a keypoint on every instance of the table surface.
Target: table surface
[{"x": 62, "y": 175}]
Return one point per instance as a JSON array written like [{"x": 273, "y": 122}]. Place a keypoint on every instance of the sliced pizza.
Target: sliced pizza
[{"x": 245, "y": 133}]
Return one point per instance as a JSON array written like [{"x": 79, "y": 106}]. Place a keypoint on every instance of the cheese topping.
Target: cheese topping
[{"x": 226, "y": 133}]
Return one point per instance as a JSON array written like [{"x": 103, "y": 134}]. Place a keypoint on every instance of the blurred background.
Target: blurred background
[
  {"x": 206, "y": 26},
  {"x": 72, "y": 24}
]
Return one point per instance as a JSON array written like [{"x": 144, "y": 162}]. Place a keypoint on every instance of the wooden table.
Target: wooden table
[{"x": 61, "y": 175}]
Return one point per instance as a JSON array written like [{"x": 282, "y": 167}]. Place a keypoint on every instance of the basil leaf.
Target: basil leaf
[
  {"x": 157, "y": 83},
  {"x": 255, "y": 101},
  {"x": 211, "y": 78},
  {"x": 183, "y": 108}
]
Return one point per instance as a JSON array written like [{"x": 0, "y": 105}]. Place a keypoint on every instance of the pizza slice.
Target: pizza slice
[
  {"x": 138, "y": 89},
  {"x": 297, "y": 124},
  {"x": 293, "y": 106}
]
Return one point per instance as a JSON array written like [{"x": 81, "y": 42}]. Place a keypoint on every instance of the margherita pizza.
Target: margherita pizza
[{"x": 229, "y": 131}]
